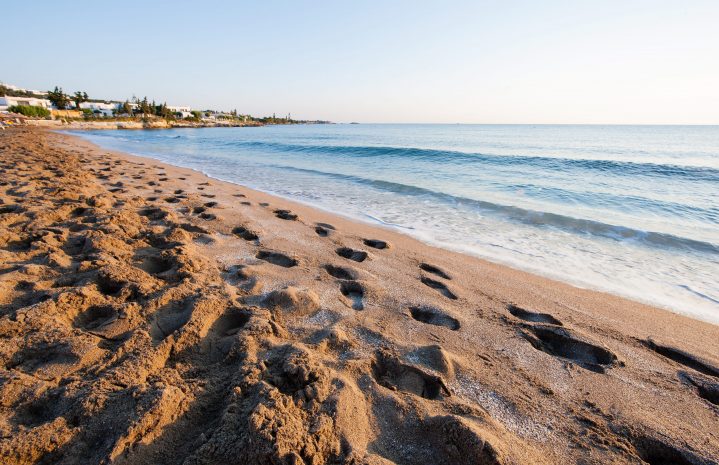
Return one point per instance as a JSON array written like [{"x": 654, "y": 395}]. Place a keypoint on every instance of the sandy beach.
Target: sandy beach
[{"x": 150, "y": 314}]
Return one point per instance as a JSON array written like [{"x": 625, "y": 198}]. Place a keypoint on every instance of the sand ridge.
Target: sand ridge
[{"x": 149, "y": 314}]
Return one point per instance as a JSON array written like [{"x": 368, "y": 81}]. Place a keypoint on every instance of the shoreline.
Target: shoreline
[
  {"x": 335, "y": 217},
  {"x": 151, "y": 313},
  {"x": 132, "y": 124},
  {"x": 578, "y": 283}
]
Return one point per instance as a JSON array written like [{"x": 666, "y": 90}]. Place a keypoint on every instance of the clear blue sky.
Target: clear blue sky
[{"x": 381, "y": 61}]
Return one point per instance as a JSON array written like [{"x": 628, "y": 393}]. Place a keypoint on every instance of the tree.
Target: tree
[
  {"x": 145, "y": 107},
  {"x": 164, "y": 112},
  {"x": 79, "y": 97},
  {"x": 58, "y": 98},
  {"x": 126, "y": 109}
]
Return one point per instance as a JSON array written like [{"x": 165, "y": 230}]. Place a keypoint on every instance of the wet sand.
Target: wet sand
[{"x": 149, "y": 314}]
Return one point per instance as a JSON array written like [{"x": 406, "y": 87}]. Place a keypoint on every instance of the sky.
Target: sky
[{"x": 473, "y": 61}]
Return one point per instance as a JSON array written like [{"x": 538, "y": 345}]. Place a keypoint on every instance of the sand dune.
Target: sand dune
[{"x": 149, "y": 314}]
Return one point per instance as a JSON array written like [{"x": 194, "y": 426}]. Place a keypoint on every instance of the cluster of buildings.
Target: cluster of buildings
[
  {"x": 6, "y": 102},
  {"x": 107, "y": 109},
  {"x": 102, "y": 109}
]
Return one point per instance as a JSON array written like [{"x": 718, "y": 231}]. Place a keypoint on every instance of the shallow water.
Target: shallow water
[{"x": 633, "y": 210}]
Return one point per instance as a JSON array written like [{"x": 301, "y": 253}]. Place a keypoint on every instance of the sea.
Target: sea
[{"x": 631, "y": 210}]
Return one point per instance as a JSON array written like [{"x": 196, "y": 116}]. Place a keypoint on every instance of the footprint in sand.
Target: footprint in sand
[
  {"x": 441, "y": 287},
  {"x": 231, "y": 322},
  {"x": 656, "y": 451},
  {"x": 434, "y": 270},
  {"x": 194, "y": 228},
  {"x": 683, "y": 358},
  {"x": 277, "y": 258},
  {"x": 376, "y": 244},
  {"x": 532, "y": 317},
  {"x": 95, "y": 317},
  {"x": 351, "y": 254},
  {"x": 562, "y": 343},
  {"x": 390, "y": 372},
  {"x": 245, "y": 233},
  {"x": 354, "y": 292},
  {"x": 170, "y": 318},
  {"x": 704, "y": 387},
  {"x": 153, "y": 213},
  {"x": 341, "y": 272},
  {"x": 286, "y": 215},
  {"x": 322, "y": 232},
  {"x": 323, "y": 229},
  {"x": 434, "y": 316}
]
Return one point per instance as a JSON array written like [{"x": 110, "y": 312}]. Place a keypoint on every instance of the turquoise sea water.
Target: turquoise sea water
[{"x": 633, "y": 210}]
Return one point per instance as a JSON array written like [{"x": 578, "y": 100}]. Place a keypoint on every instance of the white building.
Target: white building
[
  {"x": 100, "y": 108},
  {"x": 212, "y": 115},
  {"x": 179, "y": 109},
  {"x": 184, "y": 112},
  {"x": 7, "y": 101}
]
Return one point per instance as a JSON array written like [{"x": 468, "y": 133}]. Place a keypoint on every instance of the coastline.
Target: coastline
[
  {"x": 316, "y": 214},
  {"x": 702, "y": 308},
  {"x": 538, "y": 369},
  {"x": 130, "y": 124}
]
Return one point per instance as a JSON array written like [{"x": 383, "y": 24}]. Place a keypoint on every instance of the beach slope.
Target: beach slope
[{"x": 149, "y": 314}]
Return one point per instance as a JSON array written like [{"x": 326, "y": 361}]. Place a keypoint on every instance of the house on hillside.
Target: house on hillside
[
  {"x": 100, "y": 108},
  {"x": 182, "y": 112},
  {"x": 6, "y": 102},
  {"x": 212, "y": 115}
]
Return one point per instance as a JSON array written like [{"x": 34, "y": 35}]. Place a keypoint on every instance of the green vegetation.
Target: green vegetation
[
  {"x": 30, "y": 111},
  {"x": 5, "y": 91},
  {"x": 58, "y": 98},
  {"x": 146, "y": 110},
  {"x": 125, "y": 109},
  {"x": 78, "y": 97}
]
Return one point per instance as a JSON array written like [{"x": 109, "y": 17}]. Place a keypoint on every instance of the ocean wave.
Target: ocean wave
[
  {"x": 615, "y": 167},
  {"x": 530, "y": 217}
]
